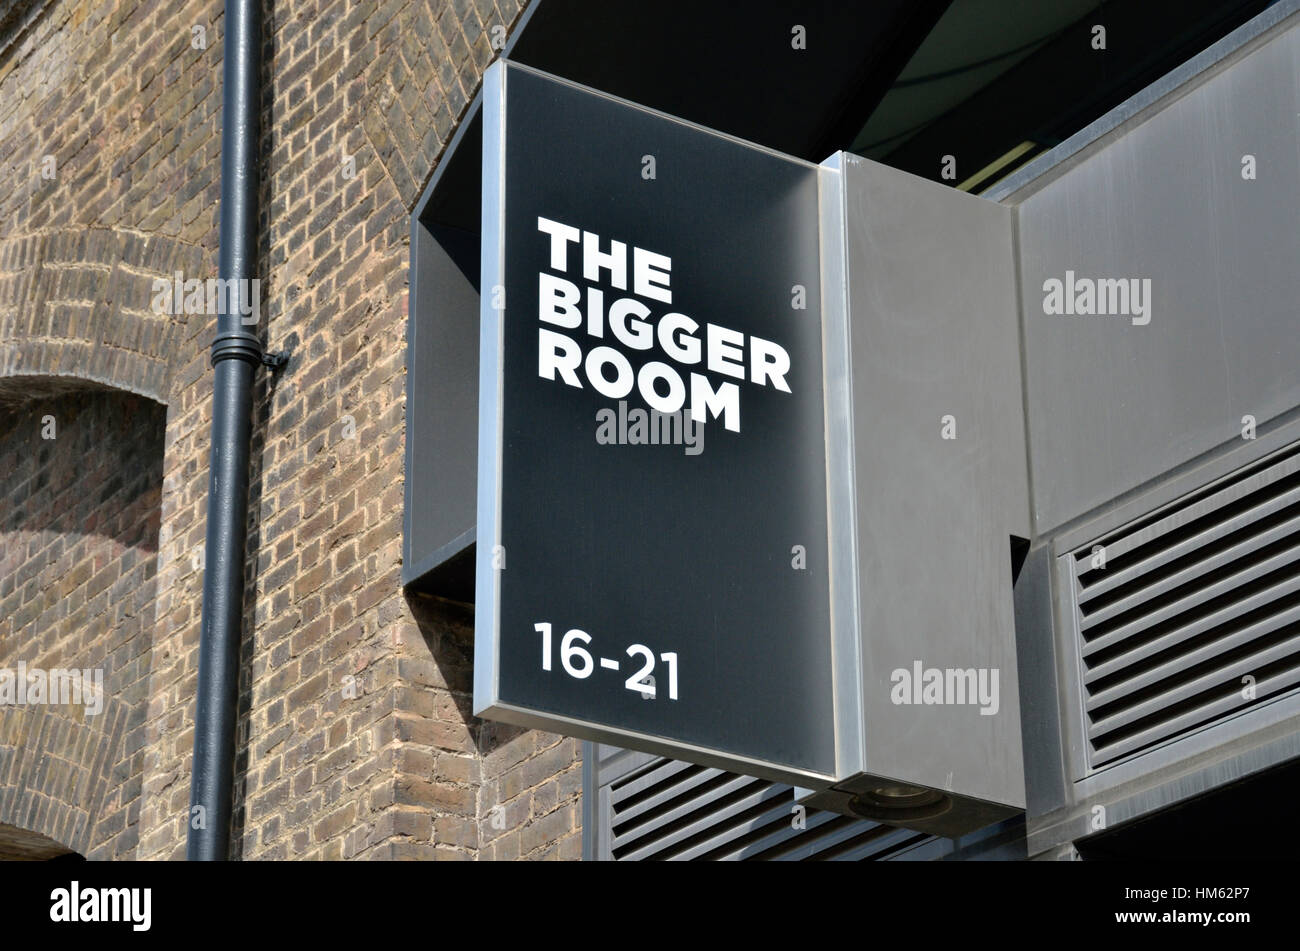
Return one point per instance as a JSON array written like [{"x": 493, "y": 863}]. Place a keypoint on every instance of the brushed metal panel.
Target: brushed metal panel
[
  {"x": 933, "y": 334},
  {"x": 1112, "y": 405}
]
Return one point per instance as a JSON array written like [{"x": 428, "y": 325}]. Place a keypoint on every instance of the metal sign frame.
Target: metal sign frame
[{"x": 844, "y": 725}]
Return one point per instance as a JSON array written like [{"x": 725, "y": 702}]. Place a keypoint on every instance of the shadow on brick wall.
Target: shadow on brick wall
[{"x": 80, "y": 497}]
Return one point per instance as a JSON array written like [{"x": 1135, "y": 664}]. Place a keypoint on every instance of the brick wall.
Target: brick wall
[
  {"x": 79, "y": 515},
  {"x": 356, "y": 738}
]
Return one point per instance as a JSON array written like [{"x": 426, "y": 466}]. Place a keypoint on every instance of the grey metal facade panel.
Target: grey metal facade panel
[
  {"x": 841, "y": 501},
  {"x": 1037, "y": 656},
  {"x": 443, "y": 358},
  {"x": 1112, "y": 404},
  {"x": 1134, "y": 425},
  {"x": 440, "y": 510},
  {"x": 442, "y": 334},
  {"x": 933, "y": 329}
]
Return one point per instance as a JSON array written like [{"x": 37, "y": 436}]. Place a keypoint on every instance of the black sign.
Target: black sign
[{"x": 652, "y": 548}]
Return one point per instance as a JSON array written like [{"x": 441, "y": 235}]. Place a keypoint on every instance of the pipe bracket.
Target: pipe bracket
[{"x": 236, "y": 345}]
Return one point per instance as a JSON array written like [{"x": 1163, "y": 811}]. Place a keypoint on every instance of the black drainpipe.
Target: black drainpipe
[{"x": 236, "y": 355}]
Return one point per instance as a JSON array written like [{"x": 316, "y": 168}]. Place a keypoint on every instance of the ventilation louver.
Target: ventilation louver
[
  {"x": 1195, "y": 615},
  {"x": 670, "y": 810}
]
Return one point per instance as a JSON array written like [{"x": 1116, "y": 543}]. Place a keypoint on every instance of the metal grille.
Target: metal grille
[
  {"x": 670, "y": 810},
  {"x": 1192, "y": 614}
]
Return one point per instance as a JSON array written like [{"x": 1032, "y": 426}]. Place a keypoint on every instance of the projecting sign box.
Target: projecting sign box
[
  {"x": 712, "y": 522},
  {"x": 652, "y": 559}
]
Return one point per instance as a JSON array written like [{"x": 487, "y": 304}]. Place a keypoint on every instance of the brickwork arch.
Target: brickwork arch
[
  {"x": 415, "y": 99},
  {"x": 23, "y": 845},
  {"x": 58, "y": 775},
  {"x": 76, "y": 306}
]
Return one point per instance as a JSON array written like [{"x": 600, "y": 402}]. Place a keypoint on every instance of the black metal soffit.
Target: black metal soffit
[
  {"x": 733, "y": 67},
  {"x": 1065, "y": 84}
]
